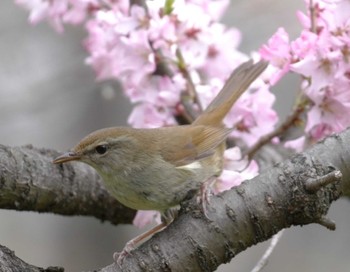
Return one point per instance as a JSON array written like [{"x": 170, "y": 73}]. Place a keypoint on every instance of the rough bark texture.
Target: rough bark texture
[
  {"x": 29, "y": 181},
  {"x": 9, "y": 262},
  {"x": 237, "y": 219}
]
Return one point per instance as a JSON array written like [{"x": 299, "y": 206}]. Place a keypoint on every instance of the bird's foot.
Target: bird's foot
[
  {"x": 120, "y": 256},
  {"x": 204, "y": 197}
]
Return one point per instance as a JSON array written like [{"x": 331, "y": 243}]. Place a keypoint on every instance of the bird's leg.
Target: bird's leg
[
  {"x": 120, "y": 256},
  {"x": 205, "y": 192},
  {"x": 167, "y": 217}
]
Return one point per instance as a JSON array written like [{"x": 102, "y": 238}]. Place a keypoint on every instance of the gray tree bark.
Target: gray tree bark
[
  {"x": 30, "y": 182},
  {"x": 298, "y": 191}
]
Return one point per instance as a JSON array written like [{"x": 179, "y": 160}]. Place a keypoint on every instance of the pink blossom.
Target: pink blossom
[
  {"x": 129, "y": 58},
  {"x": 143, "y": 218},
  {"x": 139, "y": 59},
  {"x": 215, "y": 9},
  {"x": 253, "y": 115},
  {"x": 137, "y": 19},
  {"x": 38, "y": 9},
  {"x": 330, "y": 109},
  {"x": 296, "y": 144},
  {"x": 163, "y": 34},
  {"x": 222, "y": 55},
  {"x": 321, "y": 54},
  {"x": 304, "y": 20},
  {"x": 319, "y": 131},
  {"x": 158, "y": 90},
  {"x": 341, "y": 14},
  {"x": 148, "y": 116},
  {"x": 207, "y": 92},
  {"x": 236, "y": 170},
  {"x": 234, "y": 160},
  {"x": 303, "y": 45},
  {"x": 321, "y": 69},
  {"x": 77, "y": 10},
  {"x": 60, "y": 12},
  {"x": 277, "y": 52},
  {"x": 57, "y": 12}
]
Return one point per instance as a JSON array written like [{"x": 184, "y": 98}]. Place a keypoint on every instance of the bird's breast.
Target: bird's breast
[{"x": 158, "y": 186}]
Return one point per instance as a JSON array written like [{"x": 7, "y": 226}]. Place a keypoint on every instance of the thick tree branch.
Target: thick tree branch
[
  {"x": 239, "y": 218},
  {"x": 10, "y": 262},
  {"x": 30, "y": 182}
]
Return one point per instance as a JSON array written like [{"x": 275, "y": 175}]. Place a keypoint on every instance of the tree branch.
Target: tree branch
[
  {"x": 30, "y": 182},
  {"x": 253, "y": 212},
  {"x": 10, "y": 262}
]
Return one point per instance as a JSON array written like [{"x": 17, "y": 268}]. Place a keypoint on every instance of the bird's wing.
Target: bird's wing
[{"x": 188, "y": 144}]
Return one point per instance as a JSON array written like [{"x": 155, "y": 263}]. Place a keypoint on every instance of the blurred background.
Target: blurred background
[{"x": 49, "y": 98}]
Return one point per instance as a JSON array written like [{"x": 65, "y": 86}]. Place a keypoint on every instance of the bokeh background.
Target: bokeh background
[{"x": 49, "y": 98}]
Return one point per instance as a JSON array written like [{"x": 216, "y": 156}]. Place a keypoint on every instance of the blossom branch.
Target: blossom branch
[
  {"x": 292, "y": 120},
  {"x": 191, "y": 89},
  {"x": 312, "y": 16}
]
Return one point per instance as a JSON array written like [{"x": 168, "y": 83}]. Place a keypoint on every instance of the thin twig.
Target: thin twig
[
  {"x": 189, "y": 113},
  {"x": 191, "y": 89},
  {"x": 162, "y": 64},
  {"x": 327, "y": 223},
  {"x": 312, "y": 16},
  {"x": 293, "y": 119},
  {"x": 264, "y": 259},
  {"x": 313, "y": 185},
  {"x": 141, "y": 3}
]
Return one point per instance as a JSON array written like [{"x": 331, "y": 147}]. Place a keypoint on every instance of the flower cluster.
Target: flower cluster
[
  {"x": 321, "y": 55},
  {"x": 131, "y": 46},
  {"x": 60, "y": 12}
]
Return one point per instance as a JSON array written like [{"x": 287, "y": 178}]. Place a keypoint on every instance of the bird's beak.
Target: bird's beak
[{"x": 66, "y": 157}]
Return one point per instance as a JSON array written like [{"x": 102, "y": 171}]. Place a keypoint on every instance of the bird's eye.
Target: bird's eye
[{"x": 101, "y": 149}]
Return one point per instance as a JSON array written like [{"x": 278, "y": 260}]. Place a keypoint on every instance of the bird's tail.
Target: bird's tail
[{"x": 234, "y": 87}]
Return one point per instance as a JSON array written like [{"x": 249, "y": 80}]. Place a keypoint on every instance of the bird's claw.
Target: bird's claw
[
  {"x": 120, "y": 256},
  {"x": 204, "y": 197}
]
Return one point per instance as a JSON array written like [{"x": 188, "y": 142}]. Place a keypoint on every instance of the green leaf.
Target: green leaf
[{"x": 168, "y": 7}]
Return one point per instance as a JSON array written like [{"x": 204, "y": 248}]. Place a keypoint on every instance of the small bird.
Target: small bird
[{"x": 156, "y": 169}]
